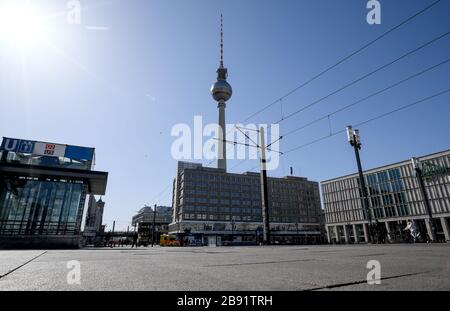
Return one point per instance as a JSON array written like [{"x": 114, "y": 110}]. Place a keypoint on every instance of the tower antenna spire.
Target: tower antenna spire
[{"x": 221, "y": 40}]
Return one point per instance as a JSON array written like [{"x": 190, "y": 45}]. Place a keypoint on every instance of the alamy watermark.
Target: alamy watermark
[
  {"x": 374, "y": 15},
  {"x": 74, "y": 273},
  {"x": 374, "y": 274},
  {"x": 73, "y": 12},
  {"x": 242, "y": 142}
]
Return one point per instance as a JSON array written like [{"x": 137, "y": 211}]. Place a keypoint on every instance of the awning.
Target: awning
[{"x": 95, "y": 180}]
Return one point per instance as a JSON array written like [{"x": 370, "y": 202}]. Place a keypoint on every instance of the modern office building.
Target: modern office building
[
  {"x": 224, "y": 208},
  {"x": 143, "y": 220},
  {"x": 94, "y": 218},
  {"x": 394, "y": 196},
  {"x": 43, "y": 187}
]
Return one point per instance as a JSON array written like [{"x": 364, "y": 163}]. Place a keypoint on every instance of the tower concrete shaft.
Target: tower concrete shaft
[{"x": 222, "y": 146}]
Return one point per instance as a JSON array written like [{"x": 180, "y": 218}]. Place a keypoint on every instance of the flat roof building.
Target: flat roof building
[
  {"x": 43, "y": 188},
  {"x": 221, "y": 207},
  {"x": 394, "y": 197},
  {"x": 143, "y": 220}
]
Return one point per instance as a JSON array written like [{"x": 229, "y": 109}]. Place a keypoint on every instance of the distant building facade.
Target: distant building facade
[
  {"x": 221, "y": 208},
  {"x": 43, "y": 187},
  {"x": 143, "y": 220},
  {"x": 394, "y": 198},
  {"x": 94, "y": 219}
]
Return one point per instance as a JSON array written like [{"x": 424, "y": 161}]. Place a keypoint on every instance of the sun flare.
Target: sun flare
[{"x": 20, "y": 24}]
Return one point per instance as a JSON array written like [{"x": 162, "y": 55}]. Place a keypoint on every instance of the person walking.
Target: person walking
[
  {"x": 412, "y": 229},
  {"x": 135, "y": 240}
]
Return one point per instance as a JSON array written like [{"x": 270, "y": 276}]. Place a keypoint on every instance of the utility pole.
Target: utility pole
[
  {"x": 264, "y": 192},
  {"x": 355, "y": 141},
  {"x": 153, "y": 226},
  {"x": 417, "y": 165},
  {"x": 263, "y": 180},
  {"x": 114, "y": 225}
]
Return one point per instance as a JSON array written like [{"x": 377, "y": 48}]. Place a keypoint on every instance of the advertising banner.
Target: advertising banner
[
  {"x": 49, "y": 149},
  {"x": 79, "y": 153}
]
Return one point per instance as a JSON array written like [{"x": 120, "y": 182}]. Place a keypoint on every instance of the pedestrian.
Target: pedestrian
[
  {"x": 135, "y": 240},
  {"x": 382, "y": 232},
  {"x": 108, "y": 236},
  {"x": 412, "y": 229}
]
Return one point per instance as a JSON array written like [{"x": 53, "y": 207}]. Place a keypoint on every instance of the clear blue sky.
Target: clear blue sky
[{"x": 121, "y": 89}]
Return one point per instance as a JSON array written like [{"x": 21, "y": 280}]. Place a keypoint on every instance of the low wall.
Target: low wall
[{"x": 40, "y": 242}]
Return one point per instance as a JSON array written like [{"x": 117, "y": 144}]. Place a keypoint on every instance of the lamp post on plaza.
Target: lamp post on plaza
[{"x": 355, "y": 141}]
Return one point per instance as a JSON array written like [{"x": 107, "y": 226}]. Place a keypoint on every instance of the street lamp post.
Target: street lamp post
[
  {"x": 355, "y": 141},
  {"x": 264, "y": 191},
  {"x": 417, "y": 165},
  {"x": 153, "y": 226}
]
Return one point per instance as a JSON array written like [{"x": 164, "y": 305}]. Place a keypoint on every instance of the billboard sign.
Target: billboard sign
[
  {"x": 17, "y": 145},
  {"x": 47, "y": 149},
  {"x": 79, "y": 153}
]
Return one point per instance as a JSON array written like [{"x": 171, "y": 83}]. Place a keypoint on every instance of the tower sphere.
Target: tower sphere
[{"x": 221, "y": 91}]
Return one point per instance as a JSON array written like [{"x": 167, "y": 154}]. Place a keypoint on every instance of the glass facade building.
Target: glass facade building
[
  {"x": 43, "y": 192},
  {"x": 42, "y": 208},
  {"x": 394, "y": 197}
]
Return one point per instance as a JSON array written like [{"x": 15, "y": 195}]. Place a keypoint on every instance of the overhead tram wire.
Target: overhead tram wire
[
  {"x": 364, "y": 76},
  {"x": 343, "y": 60},
  {"x": 280, "y": 99},
  {"x": 371, "y": 119},
  {"x": 362, "y": 123},
  {"x": 363, "y": 99},
  {"x": 383, "y": 115},
  {"x": 158, "y": 196}
]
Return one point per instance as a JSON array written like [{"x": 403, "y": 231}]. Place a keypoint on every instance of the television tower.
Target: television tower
[{"x": 221, "y": 91}]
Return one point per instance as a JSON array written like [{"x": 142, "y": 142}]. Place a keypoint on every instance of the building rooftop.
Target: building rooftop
[
  {"x": 40, "y": 153},
  {"x": 388, "y": 166},
  {"x": 200, "y": 167}
]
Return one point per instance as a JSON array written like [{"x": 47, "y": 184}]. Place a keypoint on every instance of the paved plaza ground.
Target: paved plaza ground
[{"x": 340, "y": 267}]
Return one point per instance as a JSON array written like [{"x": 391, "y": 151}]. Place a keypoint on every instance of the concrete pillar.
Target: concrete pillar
[
  {"x": 366, "y": 233},
  {"x": 388, "y": 230},
  {"x": 346, "y": 235},
  {"x": 429, "y": 230},
  {"x": 338, "y": 238},
  {"x": 445, "y": 228},
  {"x": 328, "y": 234},
  {"x": 355, "y": 234}
]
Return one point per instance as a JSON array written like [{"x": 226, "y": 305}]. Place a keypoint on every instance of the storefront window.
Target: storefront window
[{"x": 42, "y": 207}]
